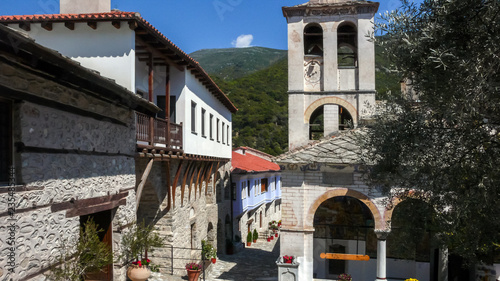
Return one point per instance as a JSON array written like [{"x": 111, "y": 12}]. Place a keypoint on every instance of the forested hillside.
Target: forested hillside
[{"x": 256, "y": 81}]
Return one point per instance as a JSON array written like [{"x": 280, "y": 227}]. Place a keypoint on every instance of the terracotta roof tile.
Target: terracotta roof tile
[
  {"x": 252, "y": 163},
  {"x": 119, "y": 15}
]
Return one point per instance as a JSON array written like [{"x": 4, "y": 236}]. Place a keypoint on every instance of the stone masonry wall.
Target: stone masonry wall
[
  {"x": 66, "y": 156},
  {"x": 192, "y": 219}
]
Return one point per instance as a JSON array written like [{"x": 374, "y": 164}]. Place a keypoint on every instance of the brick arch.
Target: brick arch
[
  {"x": 380, "y": 223},
  {"x": 331, "y": 100}
]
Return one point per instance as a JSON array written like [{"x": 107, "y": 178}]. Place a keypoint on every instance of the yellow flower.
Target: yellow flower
[{"x": 411, "y": 279}]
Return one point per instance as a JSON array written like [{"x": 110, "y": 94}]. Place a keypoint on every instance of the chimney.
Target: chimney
[{"x": 85, "y": 6}]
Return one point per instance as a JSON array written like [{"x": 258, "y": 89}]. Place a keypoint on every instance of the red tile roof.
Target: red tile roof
[
  {"x": 252, "y": 163},
  {"x": 193, "y": 65}
]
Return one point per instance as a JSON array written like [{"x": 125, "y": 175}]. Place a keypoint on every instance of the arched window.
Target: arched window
[
  {"x": 317, "y": 122},
  {"x": 347, "y": 49},
  {"x": 313, "y": 40}
]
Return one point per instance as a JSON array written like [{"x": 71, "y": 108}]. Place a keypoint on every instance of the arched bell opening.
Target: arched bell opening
[
  {"x": 313, "y": 40},
  {"x": 328, "y": 119},
  {"x": 347, "y": 48},
  {"x": 344, "y": 232}
]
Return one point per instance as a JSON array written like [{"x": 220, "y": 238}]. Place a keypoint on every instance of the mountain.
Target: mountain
[
  {"x": 256, "y": 81},
  {"x": 233, "y": 63}
]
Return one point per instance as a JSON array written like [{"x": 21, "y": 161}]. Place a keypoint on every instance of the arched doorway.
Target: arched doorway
[
  {"x": 409, "y": 242},
  {"x": 343, "y": 225}
]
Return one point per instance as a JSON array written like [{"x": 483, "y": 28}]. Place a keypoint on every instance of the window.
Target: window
[
  {"x": 243, "y": 189},
  {"x": 313, "y": 40},
  {"x": 161, "y": 103},
  {"x": 193, "y": 117},
  {"x": 263, "y": 185},
  {"x": 223, "y": 127},
  {"x": 211, "y": 120},
  {"x": 5, "y": 140},
  {"x": 173, "y": 100},
  {"x": 203, "y": 131},
  {"x": 217, "y": 128},
  {"x": 228, "y": 134},
  {"x": 248, "y": 188},
  {"x": 347, "y": 45}
]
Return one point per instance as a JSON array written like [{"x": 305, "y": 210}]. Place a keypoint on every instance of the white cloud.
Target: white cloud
[{"x": 243, "y": 41}]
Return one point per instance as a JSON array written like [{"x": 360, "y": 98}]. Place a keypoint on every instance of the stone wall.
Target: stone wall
[
  {"x": 270, "y": 212},
  {"x": 193, "y": 218},
  {"x": 62, "y": 155}
]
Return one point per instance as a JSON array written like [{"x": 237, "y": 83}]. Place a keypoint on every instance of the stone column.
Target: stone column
[
  {"x": 331, "y": 119},
  {"x": 381, "y": 254}
]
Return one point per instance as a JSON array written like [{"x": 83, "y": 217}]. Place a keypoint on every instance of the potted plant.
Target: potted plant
[
  {"x": 82, "y": 256},
  {"x": 193, "y": 271},
  {"x": 287, "y": 259},
  {"x": 208, "y": 251},
  {"x": 249, "y": 239},
  {"x": 411, "y": 279},
  {"x": 345, "y": 277},
  {"x": 136, "y": 244},
  {"x": 255, "y": 235}
]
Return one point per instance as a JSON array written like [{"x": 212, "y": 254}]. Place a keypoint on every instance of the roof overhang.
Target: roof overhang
[
  {"x": 341, "y": 8},
  {"x": 144, "y": 31}
]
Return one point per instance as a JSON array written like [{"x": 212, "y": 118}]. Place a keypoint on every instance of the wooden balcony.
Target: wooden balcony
[{"x": 157, "y": 133}]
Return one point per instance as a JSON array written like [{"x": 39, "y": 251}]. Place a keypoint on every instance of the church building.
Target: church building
[{"x": 333, "y": 223}]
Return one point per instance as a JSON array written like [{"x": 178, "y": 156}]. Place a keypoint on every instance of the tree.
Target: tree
[
  {"x": 82, "y": 255},
  {"x": 443, "y": 144}
]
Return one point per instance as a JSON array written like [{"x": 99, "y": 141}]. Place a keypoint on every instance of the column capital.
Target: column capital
[{"x": 382, "y": 233}]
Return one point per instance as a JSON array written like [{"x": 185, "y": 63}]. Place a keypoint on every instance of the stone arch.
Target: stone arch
[
  {"x": 331, "y": 100},
  {"x": 380, "y": 223},
  {"x": 353, "y": 21}
]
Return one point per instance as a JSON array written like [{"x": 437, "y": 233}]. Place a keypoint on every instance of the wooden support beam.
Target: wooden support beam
[
  {"x": 193, "y": 173},
  {"x": 169, "y": 187},
  {"x": 344, "y": 257},
  {"x": 132, "y": 24},
  {"x": 116, "y": 24},
  {"x": 207, "y": 177},
  {"x": 184, "y": 179},
  {"x": 25, "y": 26},
  {"x": 176, "y": 180},
  {"x": 199, "y": 183},
  {"x": 143, "y": 181},
  {"x": 92, "y": 24},
  {"x": 215, "y": 176},
  {"x": 69, "y": 25},
  {"x": 47, "y": 26}
]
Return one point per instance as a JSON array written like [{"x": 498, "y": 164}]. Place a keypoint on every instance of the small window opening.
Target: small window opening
[
  {"x": 313, "y": 40},
  {"x": 347, "y": 49}
]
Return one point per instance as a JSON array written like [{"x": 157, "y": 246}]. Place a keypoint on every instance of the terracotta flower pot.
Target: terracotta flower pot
[
  {"x": 136, "y": 273},
  {"x": 276, "y": 235},
  {"x": 249, "y": 244},
  {"x": 193, "y": 275},
  {"x": 213, "y": 260},
  {"x": 272, "y": 237},
  {"x": 255, "y": 241}
]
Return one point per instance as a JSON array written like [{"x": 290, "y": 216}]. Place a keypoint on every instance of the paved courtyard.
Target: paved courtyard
[{"x": 257, "y": 262}]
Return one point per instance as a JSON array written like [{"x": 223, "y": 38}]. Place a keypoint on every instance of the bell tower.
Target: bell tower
[{"x": 331, "y": 67}]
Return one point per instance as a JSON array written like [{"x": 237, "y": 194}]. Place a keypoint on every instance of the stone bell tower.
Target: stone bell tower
[{"x": 331, "y": 67}]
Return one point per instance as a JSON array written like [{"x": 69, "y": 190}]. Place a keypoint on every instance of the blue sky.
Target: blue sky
[{"x": 199, "y": 24}]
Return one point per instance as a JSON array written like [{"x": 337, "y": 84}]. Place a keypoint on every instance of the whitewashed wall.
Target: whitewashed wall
[{"x": 108, "y": 50}]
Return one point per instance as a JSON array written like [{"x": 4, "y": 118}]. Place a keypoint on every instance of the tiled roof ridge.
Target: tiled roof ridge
[
  {"x": 312, "y": 144},
  {"x": 120, "y": 15}
]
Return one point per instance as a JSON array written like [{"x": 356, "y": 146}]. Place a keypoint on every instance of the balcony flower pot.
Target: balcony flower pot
[
  {"x": 272, "y": 237},
  {"x": 213, "y": 260},
  {"x": 138, "y": 273},
  {"x": 249, "y": 244},
  {"x": 276, "y": 234}
]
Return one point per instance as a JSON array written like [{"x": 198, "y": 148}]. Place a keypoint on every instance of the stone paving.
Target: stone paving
[{"x": 254, "y": 263}]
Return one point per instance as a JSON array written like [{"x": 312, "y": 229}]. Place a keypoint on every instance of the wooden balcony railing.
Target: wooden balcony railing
[{"x": 154, "y": 132}]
